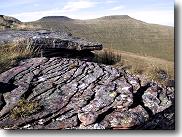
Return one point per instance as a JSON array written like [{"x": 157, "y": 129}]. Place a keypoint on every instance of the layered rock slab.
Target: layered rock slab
[
  {"x": 44, "y": 39},
  {"x": 60, "y": 93}
]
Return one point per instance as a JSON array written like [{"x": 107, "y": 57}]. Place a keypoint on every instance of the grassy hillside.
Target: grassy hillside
[
  {"x": 119, "y": 32},
  {"x": 55, "y": 18}
]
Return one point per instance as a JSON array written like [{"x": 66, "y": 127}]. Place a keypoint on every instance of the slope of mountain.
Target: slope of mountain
[
  {"x": 120, "y": 32},
  {"x": 8, "y": 22}
]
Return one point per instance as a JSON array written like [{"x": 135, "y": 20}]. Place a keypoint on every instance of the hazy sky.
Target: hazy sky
[{"x": 151, "y": 11}]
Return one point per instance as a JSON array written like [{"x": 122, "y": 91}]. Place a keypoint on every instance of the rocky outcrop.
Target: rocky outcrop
[
  {"x": 44, "y": 39},
  {"x": 8, "y": 22},
  {"x": 60, "y": 93}
]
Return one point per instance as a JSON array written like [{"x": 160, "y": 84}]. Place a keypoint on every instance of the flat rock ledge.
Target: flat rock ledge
[
  {"x": 44, "y": 39},
  {"x": 60, "y": 93}
]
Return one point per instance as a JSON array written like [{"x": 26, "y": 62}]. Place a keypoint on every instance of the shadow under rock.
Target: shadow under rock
[
  {"x": 6, "y": 87},
  {"x": 66, "y": 53}
]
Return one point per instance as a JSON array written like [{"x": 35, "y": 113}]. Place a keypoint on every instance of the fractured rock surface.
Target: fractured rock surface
[{"x": 60, "y": 93}]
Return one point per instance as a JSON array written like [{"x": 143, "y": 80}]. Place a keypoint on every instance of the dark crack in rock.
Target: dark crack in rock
[{"x": 61, "y": 93}]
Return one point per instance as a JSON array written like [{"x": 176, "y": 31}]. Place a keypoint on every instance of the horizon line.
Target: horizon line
[{"x": 89, "y": 18}]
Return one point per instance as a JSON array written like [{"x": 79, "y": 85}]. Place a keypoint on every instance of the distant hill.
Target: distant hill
[
  {"x": 7, "y": 22},
  {"x": 55, "y": 18},
  {"x": 114, "y": 17},
  {"x": 120, "y": 32}
]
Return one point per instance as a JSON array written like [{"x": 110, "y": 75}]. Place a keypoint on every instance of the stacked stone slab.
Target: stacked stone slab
[{"x": 44, "y": 39}]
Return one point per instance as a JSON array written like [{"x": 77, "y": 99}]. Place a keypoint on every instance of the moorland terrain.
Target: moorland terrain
[{"x": 113, "y": 72}]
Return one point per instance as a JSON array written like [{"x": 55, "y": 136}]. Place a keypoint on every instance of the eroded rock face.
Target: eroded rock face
[
  {"x": 7, "y": 22},
  {"x": 60, "y": 93},
  {"x": 44, "y": 39}
]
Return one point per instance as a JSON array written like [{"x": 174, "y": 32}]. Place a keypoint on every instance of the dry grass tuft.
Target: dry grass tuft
[
  {"x": 25, "y": 26},
  {"x": 159, "y": 74},
  {"x": 155, "y": 69},
  {"x": 107, "y": 57},
  {"x": 12, "y": 53},
  {"x": 72, "y": 66},
  {"x": 25, "y": 108}
]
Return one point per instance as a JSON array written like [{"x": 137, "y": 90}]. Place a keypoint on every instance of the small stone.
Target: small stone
[
  {"x": 87, "y": 118},
  {"x": 113, "y": 94},
  {"x": 98, "y": 126},
  {"x": 156, "y": 99},
  {"x": 41, "y": 121},
  {"x": 40, "y": 79},
  {"x": 27, "y": 126},
  {"x": 127, "y": 119}
]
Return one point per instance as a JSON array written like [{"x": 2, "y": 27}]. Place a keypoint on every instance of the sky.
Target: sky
[{"x": 150, "y": 11}]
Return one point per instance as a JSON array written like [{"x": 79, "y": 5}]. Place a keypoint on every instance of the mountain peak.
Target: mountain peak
[
  {"x": 55, "y": 18},
  {"x": 115, "y": 17}
]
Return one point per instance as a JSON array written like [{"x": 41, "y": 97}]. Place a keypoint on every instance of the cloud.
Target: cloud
[
  {"x": 32, "y": 16},
  {"x": 77, "y": 5},
  {"x": 36, "y": 5},
  {"x": 163, "y": 17},
  {"x": 117, "y": 8},
  {"x": 17, "y": 3},
  {"x": 111, "y": 1},
  {"x": 68, "y": 8}
]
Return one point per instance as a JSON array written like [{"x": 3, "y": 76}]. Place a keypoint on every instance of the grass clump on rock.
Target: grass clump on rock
[
  {"x": 12, "y": 53},
  {"x": 25, "y": 108},
  {"x": 107, "y": 57},
  {"x": 159, "y": 75}
]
